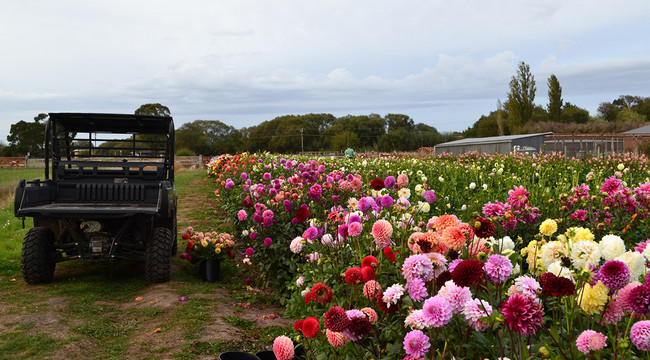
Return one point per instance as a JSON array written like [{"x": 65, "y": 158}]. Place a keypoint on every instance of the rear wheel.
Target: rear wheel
[
  {"x": 37, "y": 258},
  {"x": 157, "y": 256}
]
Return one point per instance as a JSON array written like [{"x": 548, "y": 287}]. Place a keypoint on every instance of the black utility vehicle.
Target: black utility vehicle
[{"x": 108, "y": 195}]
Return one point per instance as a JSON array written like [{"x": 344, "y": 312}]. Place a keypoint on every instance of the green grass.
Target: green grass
[
  {"x": 21, "y": 345},
  {"x": 239, "y": 322},
  {"x": 11, "y": 176}
]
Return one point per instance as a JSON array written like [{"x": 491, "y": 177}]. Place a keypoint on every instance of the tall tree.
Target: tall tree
[
  {"x": 153, "y": 109},
  {"x": 522, "y": 94},
  {"x": 554, "y": 98}
]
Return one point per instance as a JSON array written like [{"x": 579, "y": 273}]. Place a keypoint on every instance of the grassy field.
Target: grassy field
[{"x": 105, "y": 310}]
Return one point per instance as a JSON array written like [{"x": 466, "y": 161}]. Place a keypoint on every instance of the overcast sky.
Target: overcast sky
[{"x": 443, "y": 63}]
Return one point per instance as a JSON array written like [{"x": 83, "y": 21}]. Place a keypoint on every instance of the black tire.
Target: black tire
[
  {"x": 157, "y": 266},
  {"x": 37, "y": 258}
]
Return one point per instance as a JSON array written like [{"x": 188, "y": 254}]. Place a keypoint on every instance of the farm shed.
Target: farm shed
[
  {"x": 494, "y": 144},
  {"x": 580, "y": 145}
]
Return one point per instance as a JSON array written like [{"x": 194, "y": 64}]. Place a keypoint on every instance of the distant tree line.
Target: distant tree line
[{"x": 310, "y": 132}]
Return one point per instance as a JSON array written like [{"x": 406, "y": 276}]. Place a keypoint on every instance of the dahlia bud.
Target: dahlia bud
[
  {"x": 481, "y": 256},
  {"x": 543, "y": 352},
  {"x": 623, "y": 344}
]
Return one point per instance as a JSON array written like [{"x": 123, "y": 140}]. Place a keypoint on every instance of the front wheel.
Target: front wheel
[
  {"x": 37, "y": 257},
  {"x": 157, "y": 266}
]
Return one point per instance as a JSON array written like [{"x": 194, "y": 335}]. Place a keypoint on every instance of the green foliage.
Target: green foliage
[
  {"x": 634, "y": 108},
  {"x": 522, "y": 95},
  {"x": 399, "y": 139},
  {"x": 290, "y": 133},
  {"x": 489, "y": 126},
  {"x": 185, "y": 152},
  {"x": 26, "y": 137},
  {"x": 208, "y": 137},
  {"x": 627, "y": 115},
  {"x": 574, "y": 114},
  {"x": 367, "y": 128},
  {"x": 153, "y": 109},
  {"x": 343, "y": 139}
]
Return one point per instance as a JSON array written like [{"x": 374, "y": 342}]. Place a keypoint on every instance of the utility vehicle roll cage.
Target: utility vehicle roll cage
[{"x": 89, "y": 144}]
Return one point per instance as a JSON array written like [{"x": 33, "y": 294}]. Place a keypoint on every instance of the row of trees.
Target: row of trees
[{"x": 310, "y": 132}]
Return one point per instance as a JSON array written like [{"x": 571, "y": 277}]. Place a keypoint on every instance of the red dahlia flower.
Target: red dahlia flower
[
  {"x": 390, "y": 255},
  {"x": 354, "y": 276},
  {"x": 189, "y": 246},
  {"x": 298, "y": 325},
  {"x": 310, "y": 327},
  {"x": 321, "y": 293},
  {"x": 443, "y": 278},
  {"x": 468, "y": 273},
  {"x": 483, "y": 228},
  {"x": 556, "y": 286},
  {"x": 377, "y": 184},
  {"x": 367, "y": 274},
  {"x": 370, "y": 261},
  {"x": 302, "y": 214}
]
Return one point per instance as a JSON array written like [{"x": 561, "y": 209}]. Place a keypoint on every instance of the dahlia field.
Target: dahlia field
[{"x": 449, "y": 257}]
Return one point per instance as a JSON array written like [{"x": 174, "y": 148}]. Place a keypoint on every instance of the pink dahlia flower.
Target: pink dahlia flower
[
  {"x": 382, "y": 230},
  {"x": 437, "y": 311},
  {"x": 416, "y": 343},
  {"x": 474, "y": 310},
  {"x": 640, "y": 335},
  {"x": 590, "y": 340},
  {"x": 283, "y": 348}
]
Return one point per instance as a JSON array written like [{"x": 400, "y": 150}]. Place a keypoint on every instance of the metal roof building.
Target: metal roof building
[
  {"x": 643, "y": 130},
  {"x": 494, "y": 144}
]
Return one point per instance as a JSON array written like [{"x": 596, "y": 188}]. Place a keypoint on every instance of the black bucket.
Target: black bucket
[
  {"x": 210, "y": 270},
  {"x": 266, "y": 355},
  {"x": 237, "y": 355}
]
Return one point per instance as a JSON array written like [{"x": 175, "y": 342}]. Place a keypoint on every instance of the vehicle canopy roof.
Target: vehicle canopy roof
[{"x": 113, "y": 123}]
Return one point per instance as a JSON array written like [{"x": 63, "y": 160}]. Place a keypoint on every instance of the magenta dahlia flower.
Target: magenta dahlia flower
[
  {"x": 614, "y": 274},
  {"x": 498, "y": 268},
  {"x": 522, "y": 314}
]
